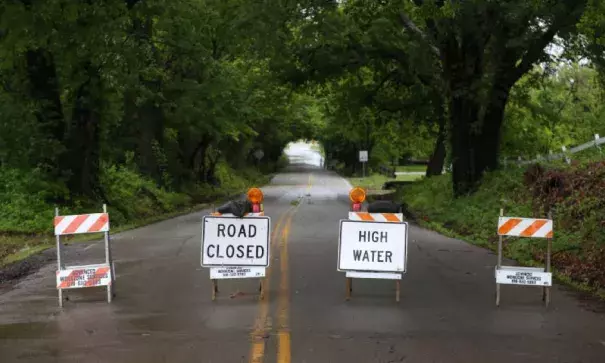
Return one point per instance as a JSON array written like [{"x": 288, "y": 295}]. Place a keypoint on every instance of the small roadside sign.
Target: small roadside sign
[
  {"x": 84, "y": 276},
  {"x": 372, "y": 246},
  {"x": 363, "y": 156},
  {"x": 528, "y": 276},
  {"x": 236, "y": 272},
  {"x": 231, "y": 241},
  {"x": 258, "y": 154}
]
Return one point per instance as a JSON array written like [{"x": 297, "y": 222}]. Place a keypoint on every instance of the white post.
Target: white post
[
  {"x": 109, "y": 262},
  {"x": 548, "y": 264},
  {"x": 567, "y": 159},
  {"x": 59, "y": 266},
  {"x": 499, "y": 262}
]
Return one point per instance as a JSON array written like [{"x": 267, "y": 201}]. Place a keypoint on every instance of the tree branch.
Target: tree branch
[
  {"x": 536, "y": 48},
  {"x": 409, "y": 25}
]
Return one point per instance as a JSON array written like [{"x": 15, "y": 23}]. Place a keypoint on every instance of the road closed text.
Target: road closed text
[
  {"x": 372, "y": 246},
  {"x": 230, "y": 241},
  {"x": 231, "y": 251}
]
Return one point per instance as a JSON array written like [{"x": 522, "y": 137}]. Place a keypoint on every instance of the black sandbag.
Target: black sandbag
[
  {"x": 237, "y": 208},
  {"x": 384, "y": 206}
]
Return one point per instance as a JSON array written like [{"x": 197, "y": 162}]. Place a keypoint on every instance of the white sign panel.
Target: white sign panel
[
  {"x": 363, "y": 156},
  {"x": 523, "y": 276},
  {"x": 373, "y": 275},
  {"x": 231, "y": 241},
  {"x": 236, "y": 272},
  {"x": 84, "y": 276},
  {"x": 372, "y": 246}
]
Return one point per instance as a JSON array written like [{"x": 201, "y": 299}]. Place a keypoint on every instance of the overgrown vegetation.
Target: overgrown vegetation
[
  {"x": 148, "y": 106},
  {"x": 575, "y": 195},
  {"x": 153, "y": 106},
  {"x": 26, "y": 217}
]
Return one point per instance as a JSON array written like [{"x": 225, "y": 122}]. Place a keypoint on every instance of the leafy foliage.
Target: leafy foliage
[
  {"x": 148, "y": 106},
  {"x": 575, "y": 196},
  {"x": 548, "y": 111}
]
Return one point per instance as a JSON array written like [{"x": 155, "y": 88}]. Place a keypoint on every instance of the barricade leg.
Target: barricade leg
[
  {"x": 397, "y": 290},
  {"x": 59, "y": 267},
  {"x": 262, "y": 289},
  {"x": 548, "y": 267},
  {"x": 109, "y": 260},
  {"x": 499, "y": 262},
  {"x": 109, "y": 288},
  {"x": 214, "y": 289},
  {"x": 349, "y": 287}
]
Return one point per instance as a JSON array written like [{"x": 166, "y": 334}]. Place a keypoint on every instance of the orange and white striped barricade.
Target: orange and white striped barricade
[
  {"x": 373, "y": 246},
  {"x": 74, "y": 277},
  {"x": 236, "y": 248},
  {"x": 524, "y": 276}
]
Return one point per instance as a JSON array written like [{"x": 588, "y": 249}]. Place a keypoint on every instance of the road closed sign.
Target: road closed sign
[
  {"x": 231, "y": 241},
  {"x": 372, "y": 246}
]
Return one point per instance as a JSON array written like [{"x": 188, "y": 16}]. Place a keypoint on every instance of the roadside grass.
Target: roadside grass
[
  {"x": 133, "y": 203},
  {"x": 577, "y": 246},
  {"x": 375, "y": 182},
  {"x": 411, "y": 168}
]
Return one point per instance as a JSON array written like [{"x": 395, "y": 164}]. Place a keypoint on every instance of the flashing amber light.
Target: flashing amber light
[
  {"x": 357, "y": 195},
  {"x": 255, "y": 195}
]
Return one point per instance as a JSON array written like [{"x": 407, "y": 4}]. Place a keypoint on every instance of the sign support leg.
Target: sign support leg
[
  {"x": 109, "y": 262},
  {"x": 398, "y": 289},
  {"x": 59, "y": 267},
  {"x": 548, "y": 267},
  {"x": 349, "y": 287},
  {"x": 262, "y": 289},
  {"x": 499, "y": 262},
  {"x": 214, "y": 289}
]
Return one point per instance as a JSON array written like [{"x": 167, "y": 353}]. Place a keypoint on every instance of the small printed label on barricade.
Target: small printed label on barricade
[
  {"x": 372, "y": 246},
  {"x": 230, "y": 241},
  {"x": 84, "y": 276},
  {"x": 523, "y": 276},
  {"x": 236, "y": 272},
  {"x": 373, "y": 275}
]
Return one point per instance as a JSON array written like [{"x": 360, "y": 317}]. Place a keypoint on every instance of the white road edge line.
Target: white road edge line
[
  {"x": 347, "y": 183},
  {"x": 91, "y": 246}
]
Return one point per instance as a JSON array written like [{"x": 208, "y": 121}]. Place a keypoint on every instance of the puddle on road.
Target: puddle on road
[{"x": 28, "y": 330}]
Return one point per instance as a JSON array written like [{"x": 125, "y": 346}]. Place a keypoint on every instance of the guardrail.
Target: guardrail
[{"x": 562, "y": 155}]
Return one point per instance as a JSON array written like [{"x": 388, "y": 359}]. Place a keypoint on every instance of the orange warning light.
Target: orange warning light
[
  {"x": 357, "y": 195},
  {"x": 255, "y": 195}
]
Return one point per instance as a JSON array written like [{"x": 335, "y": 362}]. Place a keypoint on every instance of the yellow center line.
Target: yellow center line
[
  {"x": 284, "y": 353},
  {"x": 257, "y": 352},
  {"x": 284, "y": 345}
]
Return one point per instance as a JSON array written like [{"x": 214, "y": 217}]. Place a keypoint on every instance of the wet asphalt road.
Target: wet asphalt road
[{"x": 163, "y": 310}]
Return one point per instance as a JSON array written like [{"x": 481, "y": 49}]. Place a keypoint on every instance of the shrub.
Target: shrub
[
  {"x": 135, "y": 196},
  {"x": 26, "y": 201},
  {"x": 575, "y": 195}
]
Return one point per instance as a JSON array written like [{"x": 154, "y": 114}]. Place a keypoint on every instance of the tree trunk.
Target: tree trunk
[
  {"x": 476, "y": 137},
  {"x": 466, "y": 175},
  {"x": 148, "y": 117},
  {"x": 84, "y": 136},
  {"x": 437, "y": 160},
  {"x": 44, "y": 90}
]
